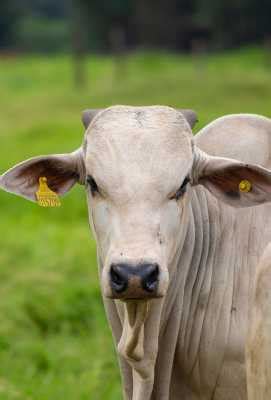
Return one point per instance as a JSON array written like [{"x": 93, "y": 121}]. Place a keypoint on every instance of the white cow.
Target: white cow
[
  {"x": 259, "y": 338},
  {"x": 178, "y": 240}
]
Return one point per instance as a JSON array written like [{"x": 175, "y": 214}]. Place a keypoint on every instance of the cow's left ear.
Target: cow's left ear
[
  {"x": 236, "y": 183},
  {"x": 61, "y": 170}
]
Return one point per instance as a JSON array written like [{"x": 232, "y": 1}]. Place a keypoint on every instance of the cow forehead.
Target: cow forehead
[{"x": 139, "y": 146}]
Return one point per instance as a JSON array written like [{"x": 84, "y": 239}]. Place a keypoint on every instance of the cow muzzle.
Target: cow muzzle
[{"x": 139, "y": 281}]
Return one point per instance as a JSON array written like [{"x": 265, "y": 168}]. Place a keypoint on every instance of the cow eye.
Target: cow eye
[
  {"x": 181, "y": 190},
  {"x": 92, "y": 184}
]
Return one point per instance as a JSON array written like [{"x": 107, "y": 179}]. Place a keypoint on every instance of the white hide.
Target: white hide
[
  {"x": 189, "y": 342},
  {"x": 193, "y": 337}
]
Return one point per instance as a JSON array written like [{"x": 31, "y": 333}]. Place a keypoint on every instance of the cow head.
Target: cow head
[{"x": 138, "y": 165}]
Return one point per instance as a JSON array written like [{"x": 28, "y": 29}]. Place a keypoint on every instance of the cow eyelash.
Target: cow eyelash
[
  {"x": 182, "y": 189},
  {"x": 92, "y": 184}
]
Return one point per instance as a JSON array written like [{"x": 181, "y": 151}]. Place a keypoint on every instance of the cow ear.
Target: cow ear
[
  {"x": 61, "y": 170},
  {"x": 190, "y": 116},
  {"x": 236, "y": 183},
  {"x": 88, "y": 115}
]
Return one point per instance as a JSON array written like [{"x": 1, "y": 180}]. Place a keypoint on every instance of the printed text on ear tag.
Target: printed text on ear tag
[
  {"x": 45, "y": 196},
  {"x": 245, "y": 186}
]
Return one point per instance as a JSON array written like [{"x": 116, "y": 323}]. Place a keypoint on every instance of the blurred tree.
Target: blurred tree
[
  {"x": 115, "y": 24},
  {"x": 168, "y": 24},
  {"x": 105, "y": 19},
  {"x": 79, "y": 15},
  {"x": 249, "y": 21},
  {"x": 10, "y": 12},
  {"x": 40, "y": 34},
  {"x": 50, "y": 8}
]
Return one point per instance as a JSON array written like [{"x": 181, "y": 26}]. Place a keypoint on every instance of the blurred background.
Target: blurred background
[{"x": 56, "y": 59}]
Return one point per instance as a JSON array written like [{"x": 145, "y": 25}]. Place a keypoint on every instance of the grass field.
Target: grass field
[{"x": 54, "y": 339}]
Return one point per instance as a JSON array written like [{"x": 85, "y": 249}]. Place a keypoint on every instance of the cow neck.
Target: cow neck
[
  {"x": 168, "y": 323},
  {"x": 160, "y": 327},
  {"x": 192, "y": 253},
  {"x": 203, "y": 239},
  {"x": 160, "y": 330},
  {"x": 195, "y": 255}
]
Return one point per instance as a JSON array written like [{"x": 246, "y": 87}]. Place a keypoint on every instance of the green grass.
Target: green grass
[{"x": 54, "y": 339}]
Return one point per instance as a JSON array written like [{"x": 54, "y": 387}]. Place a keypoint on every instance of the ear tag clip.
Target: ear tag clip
[
  {"x": 45, "y": 196},
  {"x": 245, "y": 186}
]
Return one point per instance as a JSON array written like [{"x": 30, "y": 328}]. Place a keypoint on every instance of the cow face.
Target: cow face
[{"x": 137, "y": 165}]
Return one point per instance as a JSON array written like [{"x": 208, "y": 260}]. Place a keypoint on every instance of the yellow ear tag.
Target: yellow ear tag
[
  {"x": 245, "y": 186},
  {"x": 45, "y": 196}
]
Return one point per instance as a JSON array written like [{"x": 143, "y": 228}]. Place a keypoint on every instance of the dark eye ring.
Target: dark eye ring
[
  {"x": 181, "y": 190},
  {"x": 92, "y": 184}
]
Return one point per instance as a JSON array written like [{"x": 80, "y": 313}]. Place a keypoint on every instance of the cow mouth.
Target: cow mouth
[{"x": 131, "y": 344}]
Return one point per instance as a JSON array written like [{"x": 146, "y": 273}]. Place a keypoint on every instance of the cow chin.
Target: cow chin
[{"x": 131, "y": 344}]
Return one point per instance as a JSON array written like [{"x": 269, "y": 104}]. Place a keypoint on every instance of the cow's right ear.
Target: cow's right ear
[{"x": 61, "y": 170}]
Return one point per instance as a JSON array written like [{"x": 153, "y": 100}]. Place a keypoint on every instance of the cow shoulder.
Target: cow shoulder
[{"x": 245, "y": 137}]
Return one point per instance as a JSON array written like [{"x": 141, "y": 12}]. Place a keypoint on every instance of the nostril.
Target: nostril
[
  {"x": 119, "y": 280},
  {"x": 150, "y": 279}
]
